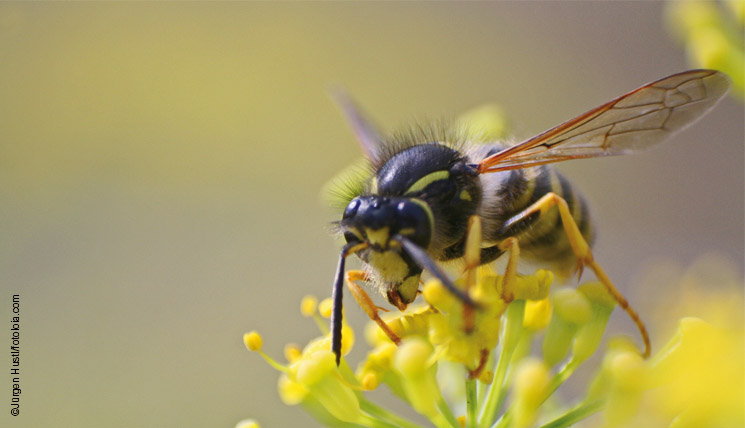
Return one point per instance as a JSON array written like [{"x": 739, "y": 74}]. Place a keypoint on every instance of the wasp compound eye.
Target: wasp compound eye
[
  {"x": 351, "y": 209},
  {"x": 414, "y": 220}
]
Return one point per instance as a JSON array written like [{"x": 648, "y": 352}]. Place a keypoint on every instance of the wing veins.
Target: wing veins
[{"x": 546, "y": 147}]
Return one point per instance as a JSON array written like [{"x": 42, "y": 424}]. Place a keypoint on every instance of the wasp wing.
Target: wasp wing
[
  {"x": 364, "y": 129},
  {"x": 630, "y": 123}
]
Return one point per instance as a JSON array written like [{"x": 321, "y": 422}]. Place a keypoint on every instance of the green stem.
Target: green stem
[
  {"x": 442, "y": 405},
  {"x": 383, "y": 414},
  {"x": 575, "y": 415},
  {"x": 511, "y": 332},
  {"x": 375, "y": 422},
  {"x": 504, "y": 421},
  {"x": 323, "y": 325},
  {"x": 561, "y": 377},
  {"x": 471, "y": 403}
]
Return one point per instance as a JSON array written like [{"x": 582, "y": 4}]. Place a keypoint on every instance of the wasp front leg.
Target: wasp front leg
[
  {"x": 366, "y": 302},
  {"x": 472, "y": 258},
  {"x": 581, "y": 250}
]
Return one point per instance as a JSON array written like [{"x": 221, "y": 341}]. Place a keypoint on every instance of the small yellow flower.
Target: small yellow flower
[
  {"x": 308, "y": 306},
  {"x": 530, "y": 389},
  {"x": 326, "y": 307},
  {"x": 538, "y": 313},
  {"x": 627, "y": 380},
  {"x": 571, "y": 310},
  {"x": 591, "y": 332},
  {"x": 378, "y": 362},
  {"x": 247, "y": 423},
  {"x": 293, "y": 352},
  {"x": 699, "y": 375},
  {"x": 253, "y": 341},
  {"x": 414, "y": 364}
]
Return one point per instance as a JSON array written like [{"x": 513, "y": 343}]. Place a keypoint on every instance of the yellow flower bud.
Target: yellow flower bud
[
  {"x": 326, "y": 307},
  {"x": 438, "y": 296},
  {"x": 572, "y": 306},
  {"x": 252, "y": 341},
  {"x": 627, "y": 379},
  {"x": 291, "y": 392},
  {"x": 370, "y": 381},
  {"x": 247, "y": 423},
  {"x": 628, "y": 370},
  {"x": 596, "y": 292},
  {"x": 533, "y": 287},
  {"x": 412, "y": 364},
  {"x": 317, "y": 372},
  {"x": 590, "y": 333},
  {"x": 308, "y": 306},
  {"x": 537, "y": 314},
  {"x": 412, "y": 357},
  {"x": 315, "y": 366},
  {"x": 531, "y": 383},
  {"x": 292, "y": 352}
]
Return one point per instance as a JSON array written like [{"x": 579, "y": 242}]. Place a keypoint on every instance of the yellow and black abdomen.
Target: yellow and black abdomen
[{"x": 541, "y": 235}]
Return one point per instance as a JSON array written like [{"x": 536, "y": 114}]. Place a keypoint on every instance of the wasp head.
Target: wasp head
[{"x": 381, "y": 222}]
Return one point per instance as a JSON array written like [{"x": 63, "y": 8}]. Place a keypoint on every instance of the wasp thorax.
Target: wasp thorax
[{"x": 377, "y": 220}]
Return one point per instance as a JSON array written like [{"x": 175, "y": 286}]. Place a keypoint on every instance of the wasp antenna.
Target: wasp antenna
[
  {"x": 421, "y": 258},
  {"x": 336, "y": 297},
  {"x": 364, "y": 128}
]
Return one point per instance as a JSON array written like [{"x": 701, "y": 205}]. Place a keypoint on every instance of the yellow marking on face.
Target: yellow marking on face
[
  {"x": 356, "y": 233},
  {"x": 407, "y": 289},
  {"x": 464, "y": 195},
  {"x": 426, "y": 180},
  {"x": 374, "y": 185},
  {"x": 407, "y": 231},
  {"x": 378, "y": 236},
  {"x": 389, "y": 265}
]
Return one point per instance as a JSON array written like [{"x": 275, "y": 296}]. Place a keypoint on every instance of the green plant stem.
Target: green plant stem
[
  {"x": 504, "y": 421},
  {"x": 383, "y": 414},
  {"x": 471, "y": 403},
  {"x": 511, "y": 332},
  {"x": 442, "y": 405},
  {"x": 575, "y": 415},
  {"x": 561, "y": 377},
  {"x": 376, "y": 423}
]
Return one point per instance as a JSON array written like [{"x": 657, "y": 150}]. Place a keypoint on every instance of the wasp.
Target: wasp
[{"x": 427, "y": 185}]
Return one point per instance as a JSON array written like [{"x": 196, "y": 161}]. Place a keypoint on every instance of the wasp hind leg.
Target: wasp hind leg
[
  {"x": 581, "y": 249},
  {"x": 366, "y": 302}
]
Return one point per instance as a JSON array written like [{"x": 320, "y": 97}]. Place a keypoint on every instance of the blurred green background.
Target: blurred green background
[{"x": 161, "y": 163}]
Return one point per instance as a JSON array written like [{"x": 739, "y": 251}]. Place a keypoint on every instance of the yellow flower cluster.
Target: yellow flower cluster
[
  {"x": 696, "y": 380},
  {"x": 444, "y": 331}
]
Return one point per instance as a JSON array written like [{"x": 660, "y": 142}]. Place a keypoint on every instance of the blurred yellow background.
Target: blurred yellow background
[{"x": 161, "y": 163}]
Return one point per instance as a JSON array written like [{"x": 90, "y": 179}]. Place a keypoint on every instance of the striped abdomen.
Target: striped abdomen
[{"x": 541, "y": 237}]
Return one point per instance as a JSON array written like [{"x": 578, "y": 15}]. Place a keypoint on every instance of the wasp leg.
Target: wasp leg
[
  {"x": 366, "y": 302},
  {"x": 512, "y": 247},
  {"x": 475, "y": 373},
  {"x": 472, "y": 257},
  {"x": 584, "y": 256}
]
